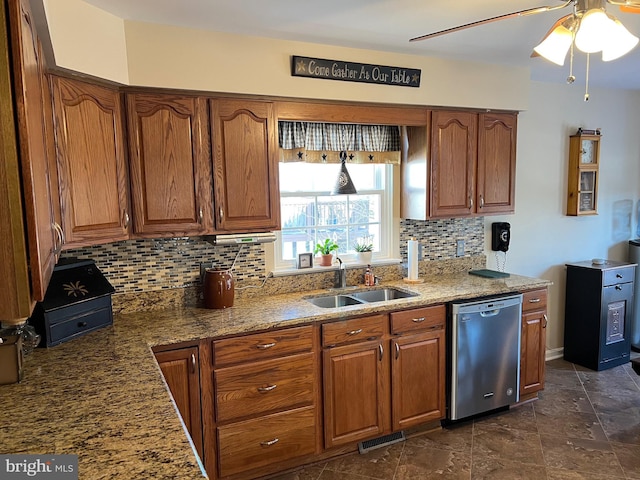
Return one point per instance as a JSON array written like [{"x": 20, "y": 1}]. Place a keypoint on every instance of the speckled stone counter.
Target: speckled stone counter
[{"x": 102, "y": 396}]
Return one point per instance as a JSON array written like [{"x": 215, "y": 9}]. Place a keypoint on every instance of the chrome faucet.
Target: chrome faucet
[{"x": 341, "y": 275}]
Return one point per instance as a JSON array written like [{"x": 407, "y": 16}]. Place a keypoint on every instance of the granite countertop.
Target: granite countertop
[{"x": 102, "y": 396}]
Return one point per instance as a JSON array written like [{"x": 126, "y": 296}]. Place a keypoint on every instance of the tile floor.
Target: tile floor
[{"x": 585, "y": 426}]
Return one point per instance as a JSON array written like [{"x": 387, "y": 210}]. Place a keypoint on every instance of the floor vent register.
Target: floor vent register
[{"x": 380, "y": 442}]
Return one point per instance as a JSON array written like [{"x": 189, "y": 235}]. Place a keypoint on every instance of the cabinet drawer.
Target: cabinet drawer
[
  {"x": 253, "y": 444},
  {"x": 354, "y": 330},
  {"x": 418, "y": 319},
  {"x": 534, "y": 300},
  {"x": 266, "y": 386},
  {"x": 262, "y": 345},
  {"x": 618, "y": 275}
]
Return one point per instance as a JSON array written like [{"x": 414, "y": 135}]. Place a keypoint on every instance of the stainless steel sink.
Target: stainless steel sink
[
  {"x": 333, "y": 301},
  {"x": 357, "y": 298},
  {"x": 382, "y": 294}
]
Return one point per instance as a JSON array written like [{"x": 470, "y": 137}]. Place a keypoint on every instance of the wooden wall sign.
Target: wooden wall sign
[{"x": 354, "y": 72}]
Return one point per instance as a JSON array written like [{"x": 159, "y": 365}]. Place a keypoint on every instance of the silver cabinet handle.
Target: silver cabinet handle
[
  {"x": 470, "y": 201},
  {"x": 397, "y": 350},
  {"x": 618, "y": 275},
  {"x": 418, "y": 320},
  {"x": 200, "y": 215},
  {"x": 220, "y": 214},
  {"x": 381, "y": 350},
  {"x": 481, "y": 202},
  {"x": 618, "y": 287},
  {"x": 193, "y": 363},
  {"x": 355, "y": 332},
  {"x": 546, "y": 320},
  {"x": 268, "y": 443},
  {"x": 60, "y": 234},
  {"x": 126, "y": 220},
  {"x": 267, "y": 389},
  {"x": 534, "y": 300},
  {"x": 264, "y": 346}
]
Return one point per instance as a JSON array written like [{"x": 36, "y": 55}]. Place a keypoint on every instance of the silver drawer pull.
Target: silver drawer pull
[
  {"x": 267, "y": 389},
  {"x": 534, "y": 300},
  {"x": 264, "y": 346},
  {"x": 618, "y": 275},
  {"x": 270, "y": 442},
  {"x": 418, "y": 320},
  {"x": 354, "y": 332}
]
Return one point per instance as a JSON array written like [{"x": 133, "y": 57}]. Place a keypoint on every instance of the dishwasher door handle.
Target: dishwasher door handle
[{"x": 490, "y": 313}]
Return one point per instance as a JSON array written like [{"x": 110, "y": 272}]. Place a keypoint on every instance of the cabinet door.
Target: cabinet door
[
  {"x": 356, "y": 392},
  {"x": 418, "y": 379},
  {"x": 453, "y": 163},
  {"x": 170, "y": 165},
  {"x": 28, "y": 75},
  {"x": 182, "y": 374},
  {"x": 532, "y": 357},
  {"x": 496, "y": 163},
  {"x": 91, "y": 162},
  {"x": 245, "y": 165}
]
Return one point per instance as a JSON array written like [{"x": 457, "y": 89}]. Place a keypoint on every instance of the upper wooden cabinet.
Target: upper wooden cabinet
[
  {"x": 91, "y": 162},
  {"x": 461, "y": 164},
  {"x": 43, "y": 234},
  {"x": 453, "y": 163},
  {"x": 496, "y": 163},
  {"x": 245, "y": 165},
  {"x": 170, "y": 164}
]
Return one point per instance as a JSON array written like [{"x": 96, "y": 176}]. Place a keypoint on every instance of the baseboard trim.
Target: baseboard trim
[{"x": 554, "y": 354}]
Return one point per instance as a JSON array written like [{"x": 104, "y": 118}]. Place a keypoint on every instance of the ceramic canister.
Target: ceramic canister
[{"x": 218, "y": 289}]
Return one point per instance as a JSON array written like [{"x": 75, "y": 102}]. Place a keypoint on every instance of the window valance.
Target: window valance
[{"x": 322, "y": 142}]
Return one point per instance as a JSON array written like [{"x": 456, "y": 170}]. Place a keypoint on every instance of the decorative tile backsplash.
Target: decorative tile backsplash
[{"x": 160, "y": 264}]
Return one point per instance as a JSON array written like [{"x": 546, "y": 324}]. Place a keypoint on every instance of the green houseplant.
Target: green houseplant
[
  {"x": 325, "y": 250},
  {"x": 364, "y": 249}
]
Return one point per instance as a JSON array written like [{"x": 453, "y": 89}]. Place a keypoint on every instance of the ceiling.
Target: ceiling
[{"x": 387, "y": 25}]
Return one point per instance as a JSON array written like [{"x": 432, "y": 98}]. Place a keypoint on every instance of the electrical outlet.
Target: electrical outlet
[{"x": 459, "y": 248}]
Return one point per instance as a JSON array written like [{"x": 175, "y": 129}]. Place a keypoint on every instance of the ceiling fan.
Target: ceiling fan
[{"x": 589, "y": 28}]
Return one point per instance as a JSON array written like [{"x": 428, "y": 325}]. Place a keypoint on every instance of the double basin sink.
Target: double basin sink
[{"x": 358, "y": 298}]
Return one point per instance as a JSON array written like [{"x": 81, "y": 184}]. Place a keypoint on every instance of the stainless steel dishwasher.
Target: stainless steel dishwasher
[{"x": 485, "y": 355}]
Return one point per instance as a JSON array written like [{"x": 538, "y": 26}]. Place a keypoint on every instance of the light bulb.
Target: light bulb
[
  {"x": 555, "y": 45},
  {"x": 595, "y": 28},
  {"x": 619, "y": 42}
]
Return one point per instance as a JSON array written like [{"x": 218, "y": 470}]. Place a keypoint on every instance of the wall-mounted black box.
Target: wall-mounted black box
[{"x": 77, "y": 301}]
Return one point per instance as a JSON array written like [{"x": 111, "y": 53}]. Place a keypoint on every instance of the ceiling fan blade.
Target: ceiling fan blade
[
  {"x": 520, "y": 13},
  {"x": 630, "y": 8},
  {"x": 627, "y": 6}
]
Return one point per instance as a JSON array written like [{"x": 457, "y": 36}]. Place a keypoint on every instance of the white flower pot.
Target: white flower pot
[{"x": 365, "y": 257}]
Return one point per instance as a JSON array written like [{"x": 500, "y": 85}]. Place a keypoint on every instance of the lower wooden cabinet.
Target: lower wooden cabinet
[
  {"x": 180, "y": 368},
  {"x": 533, "y": 342}
]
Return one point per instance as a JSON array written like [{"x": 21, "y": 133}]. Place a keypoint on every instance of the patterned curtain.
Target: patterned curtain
[{"x": 322, "y": 142}]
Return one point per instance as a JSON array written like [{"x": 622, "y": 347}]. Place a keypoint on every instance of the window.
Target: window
[{"x": 310, "y": 213}]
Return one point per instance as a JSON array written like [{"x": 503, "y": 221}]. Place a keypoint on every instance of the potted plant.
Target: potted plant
[
  {"x": 364, "y": 250},
  {"x": 324, "y": 249}
]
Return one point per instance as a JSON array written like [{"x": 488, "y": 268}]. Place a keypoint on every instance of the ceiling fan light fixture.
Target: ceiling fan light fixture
[
  {"x": 619, "y": 42},
  {"x": 555, "y": 45},
  {"x": 595, "y": 29}
]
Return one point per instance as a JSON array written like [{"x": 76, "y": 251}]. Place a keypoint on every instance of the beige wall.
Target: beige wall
[
  {"x": 543, "y": 238},
  {"x": 87, "y": 39},
  {"x": 195, "y": 59}
]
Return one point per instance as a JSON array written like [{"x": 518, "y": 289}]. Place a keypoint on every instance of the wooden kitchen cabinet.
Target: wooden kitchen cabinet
[
  {"x": 43, "y": 234},
  {"x": 533, "y": 342},
  {"x": 170, "y": 164},
  {"x": 418, "y": 366},
  {"x": 583, "y": 176},
  {"x": 246, "y": 185},
  {"x": 496, "y": 182},
  {"x": 181, "y": 370},
  {"x": 462, "y": 164},
  {"x": 92, "y": 169},
  {"x": 356, "y": 380},
  {"x": 263, "y": 402}
]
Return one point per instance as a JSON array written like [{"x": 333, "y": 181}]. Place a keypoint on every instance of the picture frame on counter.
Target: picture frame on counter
[{"x": 305, "y": 260}]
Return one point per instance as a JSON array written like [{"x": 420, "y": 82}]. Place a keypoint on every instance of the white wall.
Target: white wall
[{"x": 543, "y": 238}]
